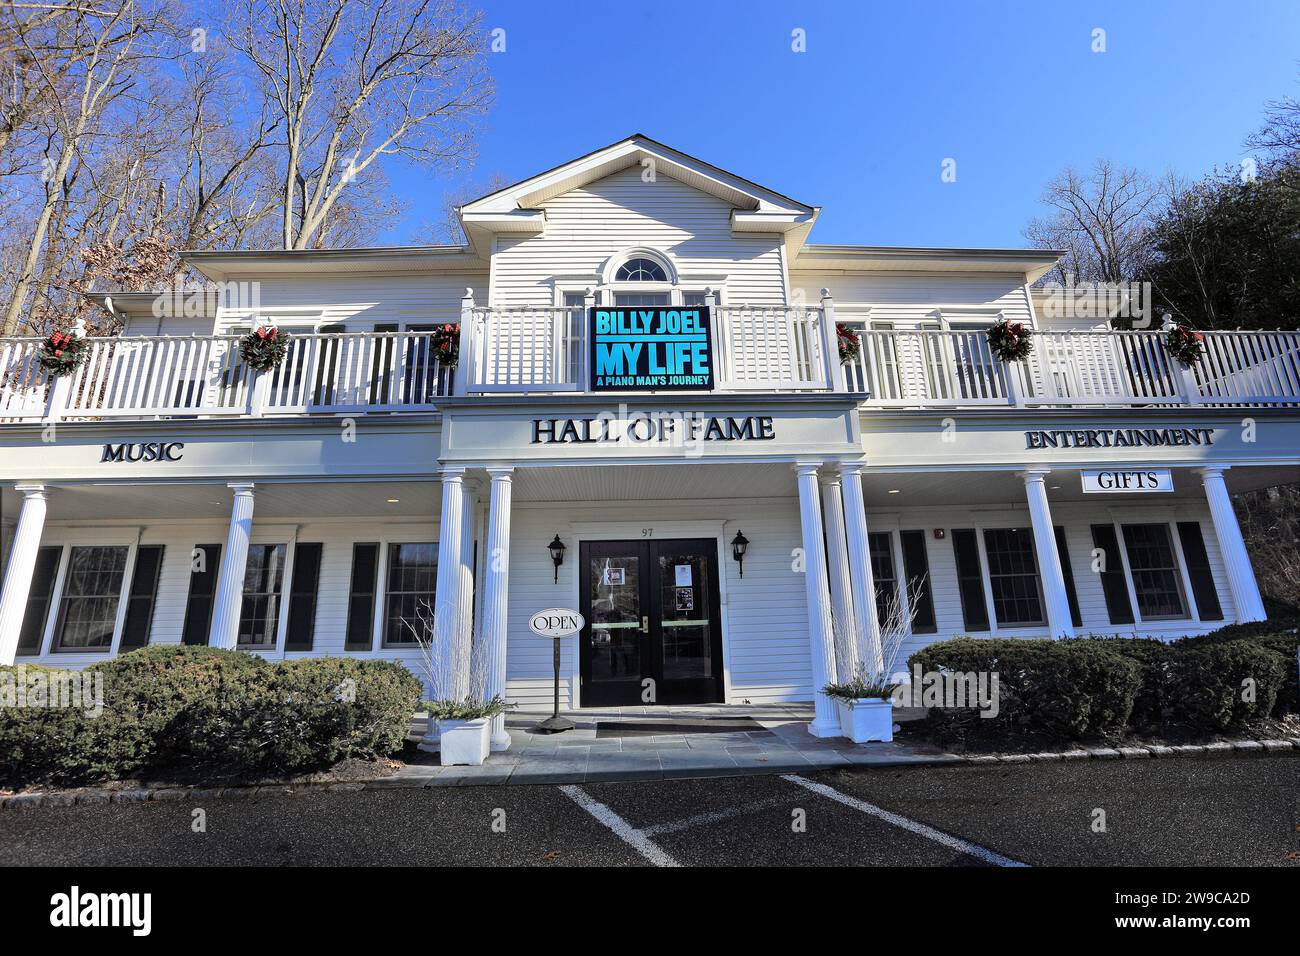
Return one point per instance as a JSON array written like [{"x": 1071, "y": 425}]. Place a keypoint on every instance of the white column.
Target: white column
[
  {"x": 826, "y": 721},
  {"x": 844, "y": 630},
  {"x": 1055, "y": 596},
  {"x": 20, "y": 568},
  {"x": 495, "y": 596},
  {"x": 864, "y": 586},
  {"x": 446, "y": 614},
  {"x": 1236, "y": 560},
  {"x": 465, "y": 587},
  {"x": 230, "y": 581}
]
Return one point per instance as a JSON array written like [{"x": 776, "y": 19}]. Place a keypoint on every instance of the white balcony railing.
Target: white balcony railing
[
  {"x": 204, "y": 376},
  {"x": 925, "y": 368},
  {"x": 542, "y": 351}
]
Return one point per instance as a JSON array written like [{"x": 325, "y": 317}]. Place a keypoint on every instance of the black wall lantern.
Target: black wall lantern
[
  {"x": 556, "y": 548},
  {"x": 738, "y": 546}
]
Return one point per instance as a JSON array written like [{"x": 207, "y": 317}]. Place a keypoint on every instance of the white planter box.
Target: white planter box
[
  {"x": 465, "y": 741},
  {"x": 864, "y": 721}
]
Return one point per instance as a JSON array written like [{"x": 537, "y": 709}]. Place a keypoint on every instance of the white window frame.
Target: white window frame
[
  {"x": 47, "y": 648},
  {"x": 1190, "y": 611}
]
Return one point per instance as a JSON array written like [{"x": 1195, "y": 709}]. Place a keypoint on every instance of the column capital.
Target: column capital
[
  {"x": 451, "y": 472},
  {"x": 847, "y": 468},
  {"x": 240, "y": 487},
  {"x": 1212, "y": 471},
  {"x": 807, "y": 467},
  {"x": 30, "y": 489},
  {"x": 830, "y": 479},
  {"x": 1034, "y": 473},
  {"x": 500, "y": 472}
]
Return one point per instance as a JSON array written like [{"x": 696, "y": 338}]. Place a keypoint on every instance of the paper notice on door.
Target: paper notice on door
[
  {"x": 686, "y": 599},
  {"x": 612, "y": 577},
  {"x": 683, "y": 572}
]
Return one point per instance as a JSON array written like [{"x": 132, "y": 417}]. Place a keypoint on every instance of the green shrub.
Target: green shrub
[
  {"x": 1155, "y": 658},
  {"x": 172, "y": 705},
  {"x": 1060, "y": 690},
  {"x": 1208, "y": 681},
  {"x": 1280, "y": 637},
  {"x": 309, "y": 713},
  {"x": 44, "y": 743}
]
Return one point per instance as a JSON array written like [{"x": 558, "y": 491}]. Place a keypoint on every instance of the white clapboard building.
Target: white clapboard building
[{"x": 649, "y": 376}]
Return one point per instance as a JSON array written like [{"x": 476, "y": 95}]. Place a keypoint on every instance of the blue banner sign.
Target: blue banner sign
[{"x": 663, "y": 347}]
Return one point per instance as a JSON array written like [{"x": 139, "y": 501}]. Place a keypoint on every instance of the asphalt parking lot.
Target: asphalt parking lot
[{"x": 1174, "y": 812}]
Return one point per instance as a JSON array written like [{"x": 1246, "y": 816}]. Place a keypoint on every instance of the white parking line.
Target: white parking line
[
  {"x": 912, "y": 826},
  {"x": 625, "y": 831},
  {"x": 717, "y": 816}
]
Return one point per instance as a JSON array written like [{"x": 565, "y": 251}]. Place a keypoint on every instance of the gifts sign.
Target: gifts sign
[{"x": 666, "y": 347}]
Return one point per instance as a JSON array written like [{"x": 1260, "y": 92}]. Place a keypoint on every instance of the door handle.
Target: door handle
[{"x": 645, "y": 624}]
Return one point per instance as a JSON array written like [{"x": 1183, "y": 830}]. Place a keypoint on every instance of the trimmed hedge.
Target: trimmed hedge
[
  {"x": 168, "y": 705},
  {"x": 1282, "y": 637},
  {"x": 1155, "y": 658},
  {"x": 1062, "y": 690},
  {"x": 1208, "y": 686}
]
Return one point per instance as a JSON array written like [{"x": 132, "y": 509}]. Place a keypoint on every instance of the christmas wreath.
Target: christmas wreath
[
  {"x": 264, "y": 348},
  {"x": 1009, "y": 341},
  {"x": 849, "y": 343},
  {"x": 446, "y": 345},
  {"x": 63, "y": 353},
  {"x": 1185, "y": 344}
]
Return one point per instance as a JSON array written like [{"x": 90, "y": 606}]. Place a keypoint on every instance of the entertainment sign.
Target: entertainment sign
[
  {"x": 1120, "y": 438},
  {"x": 663, "y": 348}
]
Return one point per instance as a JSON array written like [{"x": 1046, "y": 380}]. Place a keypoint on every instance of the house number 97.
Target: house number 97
[{"x": 647, "y": 532}]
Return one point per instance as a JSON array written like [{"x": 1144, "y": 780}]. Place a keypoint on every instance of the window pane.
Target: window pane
[
  {"x": 1013, "y": 576},
  {"x": 637, "y": 300},
  {"x": 1155, "y": 571},
  {"x": 88, "y": 609},
  {"x": 259, "y": 617},
  {"x": 409, "y": 600},
  {"x": 883, "y": 575},
  {"x": 39, "y": 596},
  {"x": 641, "y": 270}
]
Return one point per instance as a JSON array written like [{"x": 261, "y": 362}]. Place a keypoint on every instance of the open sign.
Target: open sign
[{"x": 556, "y": 622}]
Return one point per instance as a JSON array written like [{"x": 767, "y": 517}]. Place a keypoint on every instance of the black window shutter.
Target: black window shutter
[
  {"x": 38, "y": 600},
  {"x": 302, "y": 597},
  {"x": 970, "y": 580},
  {"x": 1198, "y": 569},
  {"x": 361, "y": 597},
  {"x": 916, "y": 566},
  {"x": 1067, "y": 572},
  {"x": 381, "y": 365},
  {"x": 144, "y": 591},
  {"x": 1118, "y": 606},
  {"x": 203, "y": 590}
]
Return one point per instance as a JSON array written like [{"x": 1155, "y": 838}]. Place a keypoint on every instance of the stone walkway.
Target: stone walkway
[{"x": 782, "y": 745}]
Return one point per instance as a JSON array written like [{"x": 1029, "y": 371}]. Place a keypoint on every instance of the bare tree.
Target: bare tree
[
  {"x": 353, "y": 81},
  {"x": 105, "y": 47},
  {"x": 1099, "y": 220}
]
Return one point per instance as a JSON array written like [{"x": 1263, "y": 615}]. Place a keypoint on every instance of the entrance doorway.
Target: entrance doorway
[{"x": 653, "y": 634}]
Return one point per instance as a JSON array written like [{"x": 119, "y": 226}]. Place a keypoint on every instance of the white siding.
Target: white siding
[
  {"x": 913, "y": 297},
  {"x": 584, "y": 227},
  {"x": 360, "y": 302}
]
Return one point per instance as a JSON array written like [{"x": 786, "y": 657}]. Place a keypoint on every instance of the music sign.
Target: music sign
[{"x": 662, "y": 347}]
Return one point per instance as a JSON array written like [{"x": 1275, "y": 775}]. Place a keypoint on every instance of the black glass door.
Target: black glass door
[{"x": 653, "y": 631}]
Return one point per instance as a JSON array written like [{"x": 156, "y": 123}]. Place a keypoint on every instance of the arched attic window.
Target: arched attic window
[{"x": 640, "y": 269}]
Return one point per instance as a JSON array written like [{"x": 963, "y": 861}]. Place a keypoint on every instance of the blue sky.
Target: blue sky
[{"x": 861, "y": 123}]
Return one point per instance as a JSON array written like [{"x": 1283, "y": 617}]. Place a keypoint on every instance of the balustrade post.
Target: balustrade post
[
  {"x": 259, "y": 390},
  {"x": 465, "y": 347},
  {"x": 588, "y": 303},
  {"x": 57, "y": 401},
  {"x": 831, "y": 345},
  {"x": 1187, "y": 387}
]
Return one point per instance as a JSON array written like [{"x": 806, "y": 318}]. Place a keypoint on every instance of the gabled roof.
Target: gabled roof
[{"x": 516, "y": 209}]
